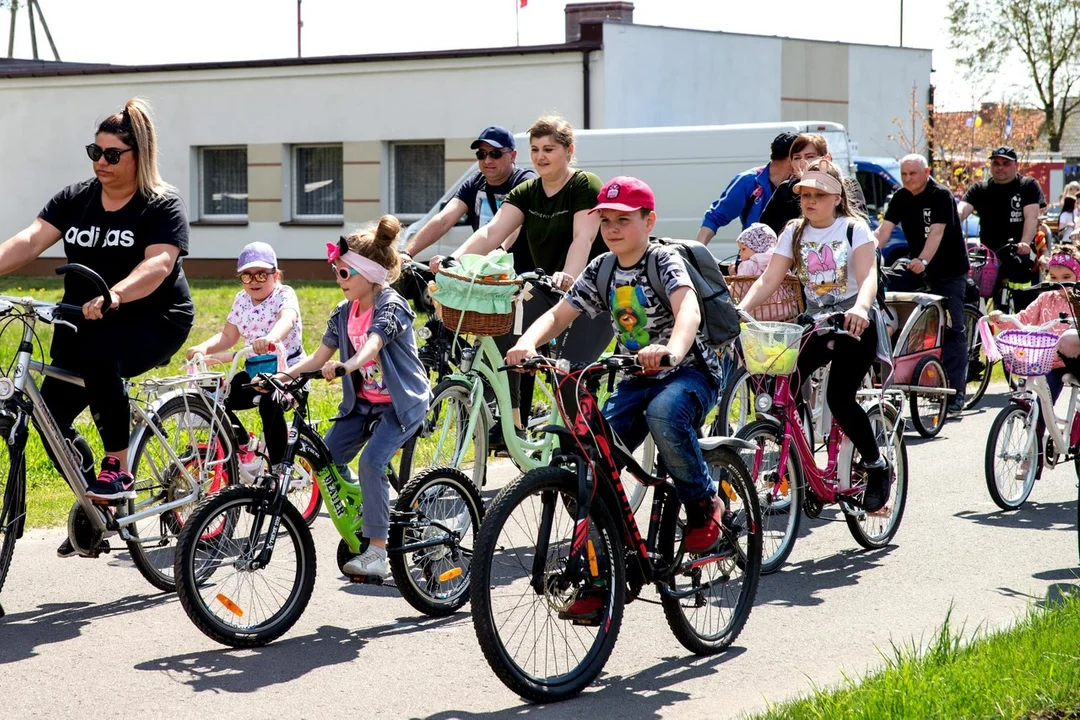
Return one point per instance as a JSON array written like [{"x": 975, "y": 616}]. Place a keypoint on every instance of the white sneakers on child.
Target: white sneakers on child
[
  {"x": 250, "y": 461},
  {"x": 370, "y": 563}
]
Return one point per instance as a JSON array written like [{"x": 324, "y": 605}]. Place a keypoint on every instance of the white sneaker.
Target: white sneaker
[
  {"x": 370, "y": 563},
  {"x": 249, "y": 471}
]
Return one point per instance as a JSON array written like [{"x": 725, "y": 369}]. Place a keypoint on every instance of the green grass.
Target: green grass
[
  {"x": 1031, "y": 670},
  {"x": 49, "y": 498}
]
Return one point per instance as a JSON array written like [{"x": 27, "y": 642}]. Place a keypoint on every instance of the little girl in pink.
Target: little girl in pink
[{"x": 1064, "y": 267}]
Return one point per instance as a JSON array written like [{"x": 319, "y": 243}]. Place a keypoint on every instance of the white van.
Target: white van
[{"x": 687, "y": 168}]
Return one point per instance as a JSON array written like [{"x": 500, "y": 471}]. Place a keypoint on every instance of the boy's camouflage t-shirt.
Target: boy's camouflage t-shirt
[{"x": 637, "y": 315}]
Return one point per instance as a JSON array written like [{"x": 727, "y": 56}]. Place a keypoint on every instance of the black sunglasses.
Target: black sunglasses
[
  {"x": 112, "y": 155},
  {"x": 493, "y": 154},
  {"x": 260, "y": 276}
]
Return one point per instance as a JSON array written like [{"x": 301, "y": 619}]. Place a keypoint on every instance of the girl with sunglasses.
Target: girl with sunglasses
[
  {"x": 129, "y": 226},
  {"x": 385, "y": 389},
  {"x": 264, "y": 312}
]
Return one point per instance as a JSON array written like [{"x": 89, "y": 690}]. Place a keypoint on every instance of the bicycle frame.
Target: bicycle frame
[{"x": 1055, "y": 426}]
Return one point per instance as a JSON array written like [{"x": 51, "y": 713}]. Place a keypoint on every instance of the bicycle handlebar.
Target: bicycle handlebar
[{"x": 94, "y": 278}]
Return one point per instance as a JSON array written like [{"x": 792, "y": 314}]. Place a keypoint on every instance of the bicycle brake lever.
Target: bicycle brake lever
[{"x": 57, "y": 321}]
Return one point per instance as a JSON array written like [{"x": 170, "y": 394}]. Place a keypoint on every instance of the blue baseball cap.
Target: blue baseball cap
[
  {"x": 256, "y": 255},
  {"x": 496, "y": 136}
]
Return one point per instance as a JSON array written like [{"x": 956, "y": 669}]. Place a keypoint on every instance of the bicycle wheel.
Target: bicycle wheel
[
  {"x": 875, "y": 530},
  {"x": 12, "y": 505},
  {"x": 708, "y": 620},
  {"x": 221, "y": 590},
  {"x": 185, "y": 422},
  {"x": 736, "y": 407},
  {"x": 780, "y": 495},
  {"x": 979, "y": 366},
  {"x": 928, "y": 411},
  {"x": 303, "y": 490},
  {"x": 441, "y": 440},
  {"x": 1010, "y": 465},
  {"x": 535, "y": 653},
  {"x": 435, "y": 579}
]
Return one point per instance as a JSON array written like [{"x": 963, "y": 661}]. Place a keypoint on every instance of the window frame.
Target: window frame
[
  {"x": 408, "y": 217},
  {"x": 203, "y": 215},
  {"x": 295, "y": 216}
]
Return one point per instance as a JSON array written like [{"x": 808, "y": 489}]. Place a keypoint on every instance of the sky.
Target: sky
[{"x": 134, "y": 32}]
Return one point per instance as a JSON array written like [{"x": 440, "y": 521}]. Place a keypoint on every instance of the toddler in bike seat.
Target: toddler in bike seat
[
  {"x": 670, "y": 403},
  {"x": 264, "y": 313},
  {"x": 385, "y": 391},
  {"x": 1064, "y": 267},
  {"x": 756, "y": 244}
]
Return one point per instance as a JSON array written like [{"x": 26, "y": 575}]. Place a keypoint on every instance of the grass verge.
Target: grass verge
[{"x": 1031, "y": 670}]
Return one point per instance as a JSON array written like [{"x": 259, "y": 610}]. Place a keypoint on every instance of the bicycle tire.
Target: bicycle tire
[
  {"x": 12, "y": 508},
  {"x": 928, "y": 419},
  {"x": 163, "y": 482},
  {"x": 608, "y": 546},
  {"x": 736, "y": 407},
  {"x": 886, "y": 417},
  {"x": 459, "y": 395},
  {"x": 436, "y": 597},
  {"x": 731, "y": 475},
  {"x": 979, "y": 365},
  {"x": 1003, "y": 422},
  {"x": 193, "y": 579},
  {"x": 780, "y": 516}
]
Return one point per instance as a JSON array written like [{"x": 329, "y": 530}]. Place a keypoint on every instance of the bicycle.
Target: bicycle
[
  {"x": 576, "y": 536},
  {"x": 1016, "y": 452},
  {"x": 245, "y": 563},
  {"x": 779, "y": 440},
  {"x": 173, "y": 458},
  {"x": 303, "y": 492},
  {"x": 455, "y": 433}
]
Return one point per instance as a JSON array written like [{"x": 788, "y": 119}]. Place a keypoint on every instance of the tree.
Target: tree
[{"x": 1043, "y": 34}]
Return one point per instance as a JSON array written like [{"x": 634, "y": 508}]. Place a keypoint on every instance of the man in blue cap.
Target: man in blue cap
[{"x": 480, "y": 196}]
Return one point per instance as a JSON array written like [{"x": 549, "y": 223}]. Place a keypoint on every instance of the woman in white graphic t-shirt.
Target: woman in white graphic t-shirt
[{"x": 837, "y": 266}]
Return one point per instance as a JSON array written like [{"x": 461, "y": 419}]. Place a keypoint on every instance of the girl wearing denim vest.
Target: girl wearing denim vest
[{"x": 385, "y": 391}]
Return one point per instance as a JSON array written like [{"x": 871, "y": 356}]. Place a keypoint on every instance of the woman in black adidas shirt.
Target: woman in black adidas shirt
[{"x": 130, "y": 227}]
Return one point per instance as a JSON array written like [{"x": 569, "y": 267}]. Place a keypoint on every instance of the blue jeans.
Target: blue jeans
[
  {"x": 672, "y": 409},
  {"x": 954, "y": 350},
  {"x": 373, "y": 427}
]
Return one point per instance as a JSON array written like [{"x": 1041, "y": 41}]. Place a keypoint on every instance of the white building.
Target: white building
[{"x": 275, "y": 150}]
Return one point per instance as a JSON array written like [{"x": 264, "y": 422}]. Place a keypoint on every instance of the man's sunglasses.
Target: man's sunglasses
[
  {"x": 493, "y": 154},
  {"x": 260, "y": 277},
  {"x": 112, "y": 155}
]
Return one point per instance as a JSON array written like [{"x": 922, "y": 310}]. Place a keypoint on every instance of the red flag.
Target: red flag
[{"x": 524, "y": 3}]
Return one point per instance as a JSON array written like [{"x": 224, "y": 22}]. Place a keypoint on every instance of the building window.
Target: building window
[
  {"x": 417, "y": 178},
  {"x": 223, "y": 183},
  {"x": 318, "y": 191}
]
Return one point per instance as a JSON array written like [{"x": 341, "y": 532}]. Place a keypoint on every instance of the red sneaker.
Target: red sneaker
[
  {"x": 703, "y": 525},
  {"x": 587, "y": 608}
]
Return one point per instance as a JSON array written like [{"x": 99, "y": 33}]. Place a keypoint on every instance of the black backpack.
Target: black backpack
[{"x": 719, "y": 319}]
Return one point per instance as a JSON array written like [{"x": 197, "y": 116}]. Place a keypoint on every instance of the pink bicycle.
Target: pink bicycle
[{"x": 787, "y": 477}]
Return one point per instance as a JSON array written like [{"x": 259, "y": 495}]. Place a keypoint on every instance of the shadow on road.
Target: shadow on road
[
  {"x": 799, "y": 583},
  {"x": 249, "y": 670},
  {"x": 643, "y": 694},
  {"x": 1068, "y": 573},
  {"x": 1032, "y": 516},
  {"x": 22, "y": 632}
]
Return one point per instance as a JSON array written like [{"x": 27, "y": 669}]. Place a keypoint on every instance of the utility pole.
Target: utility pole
[
  {"x": 299, "y": 26},
  {"x": 32, "y": 6},
  {"x": 901, "y": 23}
]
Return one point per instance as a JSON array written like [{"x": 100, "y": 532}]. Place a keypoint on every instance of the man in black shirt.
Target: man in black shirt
[
  {"x": 926, "y": 211},
  {"x": 1008, "y": 208},
  {"x": 480, "y": 196}
]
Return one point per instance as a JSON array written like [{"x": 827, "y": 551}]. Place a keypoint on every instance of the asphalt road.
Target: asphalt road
[{"x": 82, "y": 634}]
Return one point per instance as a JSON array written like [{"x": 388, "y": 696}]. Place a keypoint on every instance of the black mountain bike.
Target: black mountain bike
[{"x": 566, "y": 533}]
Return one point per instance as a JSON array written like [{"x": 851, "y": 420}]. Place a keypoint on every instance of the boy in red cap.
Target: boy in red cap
[{"x": 670, "y": 403}]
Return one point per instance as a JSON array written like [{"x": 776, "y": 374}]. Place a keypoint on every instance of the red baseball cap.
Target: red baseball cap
[{"x": 625, "y": 194}]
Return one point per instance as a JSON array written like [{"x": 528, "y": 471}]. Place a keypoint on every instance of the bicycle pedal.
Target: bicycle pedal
[{"x": 366, "y": 580}]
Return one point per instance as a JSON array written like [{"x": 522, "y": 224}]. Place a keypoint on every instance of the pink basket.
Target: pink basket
[
  {"x": 983, "y": 269},
  {"x": 1027, "y": 353}
]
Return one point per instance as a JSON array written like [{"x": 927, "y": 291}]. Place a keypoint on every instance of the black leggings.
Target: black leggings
[
  {"x": 273, "y": 417},
  {"x": 103, "y": 353},
  {"x": 851, "y": 360}
]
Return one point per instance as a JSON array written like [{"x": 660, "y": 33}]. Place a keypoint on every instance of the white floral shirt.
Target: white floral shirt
[{"x": 255, "y": 321}]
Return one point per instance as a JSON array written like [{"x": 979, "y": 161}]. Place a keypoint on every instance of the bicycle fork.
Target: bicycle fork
[{"x": 579, "y": 545}]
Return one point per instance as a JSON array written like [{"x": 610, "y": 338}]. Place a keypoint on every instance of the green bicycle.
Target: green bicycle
[{"x": 455, "y": 433}]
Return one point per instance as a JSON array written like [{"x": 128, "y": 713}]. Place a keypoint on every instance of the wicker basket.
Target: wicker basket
[
  {"x": 477, "y": 323},
  {"x": 785, "y": 304}
]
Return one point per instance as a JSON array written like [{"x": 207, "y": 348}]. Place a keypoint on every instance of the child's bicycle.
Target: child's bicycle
[
  {"x": 245, "y": 563},
  {"x": 788, "y": 479},
  {"x": 560, "y": 553},
  {"x": 1017, "y": 448},
  {"x": 303, "y": 492}
]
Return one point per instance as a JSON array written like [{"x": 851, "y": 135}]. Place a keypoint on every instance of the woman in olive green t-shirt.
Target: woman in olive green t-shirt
[{"x": 553, "y": 210}]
